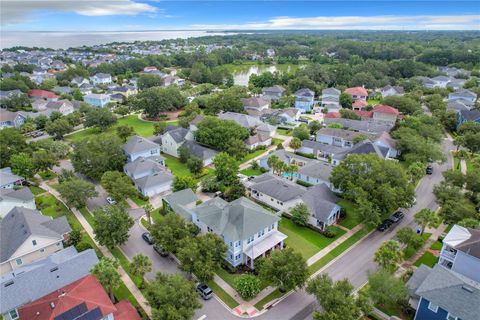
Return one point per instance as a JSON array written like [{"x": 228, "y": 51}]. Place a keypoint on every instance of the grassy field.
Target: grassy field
[
  {"x": 305, "y": 240},
  {"x": 437, "y": 245},
  {"x": 276, "y": 141},
  {"x": 427, "y": 258},
  {"x": 251, "y": 172},
  {"x": 351, "y": 219},
  {"x": 252, "y": 155},
  {"x": 284, "y": 132},
  {"x": 36, "y": 190},
  {"x": 177, "y": 168},
  {"x": 47, "y": 175}
]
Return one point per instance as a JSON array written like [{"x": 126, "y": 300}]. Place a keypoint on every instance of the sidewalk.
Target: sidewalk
[
  {"x": 463, "y": 166},
  {"x": 124, "y": 276}
]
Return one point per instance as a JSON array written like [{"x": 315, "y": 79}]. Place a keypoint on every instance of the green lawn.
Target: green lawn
[
  {"x": 373, "y": 102},
  {"x": 139, "y": 201},
  {"x": 274, "y": 295},
  {"x": 427, "y": 258},
  {"x": 339, "y": 250},
  {"x": 36, "y": 190},
  {"x": 177, "y": 168},
  {"x": 252, "y": 155},
  {"x": 251, "y": 172},
  {"x": 437, "y": 245},
  {"x": 351, "y": 219},
  {"x": 276, "y": 141},
  {"x": 47, "y": 175},
  {"x": 284, "y": 132},
  {"x": 305, "y": 240},
  {"x": 230, "y": 278},
  {"x": 224, "y": 296},
  {"x": 410, "y": 251}
]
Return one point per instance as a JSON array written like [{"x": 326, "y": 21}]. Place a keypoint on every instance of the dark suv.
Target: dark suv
[
  {"x": 384, "y": 225},
  {"x": 147, "y": 237},
  {"x": 429, "y": 169}
]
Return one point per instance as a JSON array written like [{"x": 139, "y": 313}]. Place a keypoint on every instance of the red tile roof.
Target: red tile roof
[
  {"x": 86, "y": 290},
  {"x": 357, "y": 91},
  {"x": 333, "y": 115},
  {"x": 364, "y": 114},
  {"x": 42, "y": 93},
  {"x": 382, "y": 108},
  {"x": 359, "y": 103}
]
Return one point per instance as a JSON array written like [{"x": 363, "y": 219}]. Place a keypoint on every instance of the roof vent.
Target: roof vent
[
  {"x": 52, "y": 305},
  {"x": 468, "y": 289},
  {"x": 8, "y": 284}
]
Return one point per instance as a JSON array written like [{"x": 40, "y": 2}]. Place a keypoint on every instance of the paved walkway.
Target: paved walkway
[
  {"x": 435, "y": 234},
  {"x": 463, "y": 166},
  {"x": 320, "y": 254},
  {"x": 124, "y": 276}
]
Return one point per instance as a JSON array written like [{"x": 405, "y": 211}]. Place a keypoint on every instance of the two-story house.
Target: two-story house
[
  {"x": 316, "y": 172},
  {"x": 468, "y": 115},
  {"x": 304, "y": 99},
  {"x": 26, "y": 235},
  {"x": 331, "y": 99},
  {"x": 11, "y": 198},
  {"x": 137, "y": 147},
  {"x": 367, "y": 126},
  {"x": 8, "y": 180},
  {"x": 385, "y": 113},
  {"x": 78, "y": 81},
  {"x": 461, "y": 252},
  {"x": 65, "y": 107},
  {"x": 273, "y": 93},
  {"x": 173, "y": 139},
  {"x": 285, "y": 156},
  {"x": 149, "y": 175},
  {"x": 101, "y": 78},
  {"x": 364, "y": 147},
  {"x": 441, "y": 294},
  {"x": 28, "y": 283},
  {"x": 467, "y": 97},
  {"x": 256, "y": 103},
  {"x": 97, "y": 99},
  {"x": 392, "y": 91},
  {"x": 249, "y": 122},
  {"x": 337, "y": 137},
  {"x": 42, "y": 94},
  {"x": 9, "y": 119},
  {"x": 440, "y": 81},
  {"x": 357, "y": 93}
]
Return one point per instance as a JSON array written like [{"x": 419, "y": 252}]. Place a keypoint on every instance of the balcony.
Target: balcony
[{"x": 448, "y": 255}]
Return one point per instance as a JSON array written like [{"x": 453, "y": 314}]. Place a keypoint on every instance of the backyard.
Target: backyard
[
  {"x": 251, "y": 172},
  {"x": 305, "y": 240}
]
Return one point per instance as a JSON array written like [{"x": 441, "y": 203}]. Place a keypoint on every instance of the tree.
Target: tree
[
  {"x": 234, "y": 191},
  {"x": 416, "y": 171},
  {"x": 11, "y": 142},
  {"x": 295, "y": 144},
  {"x": 349, "y": 114},
  {"x": 172, "y": 297},
  {"x": 405, "y": 105},
  {"x": 226, "y": 168},
  {"x": 140, "y": 265},
  {"x": 23, "y": 165},
  {"x": 93, "y": 156},
  {"x": 58, "y": 128},
  {"x": 149, "y": 80},
  {"x": 184, "y": 182},
  {"x": 337, "y": 299},
  {"x": 389, "y": 255},
  {"x": 375, "y": 185},
  {"x": 359, "y": 138},
  {"x": 169, "y": 230},
  {"x": 409, "y": 237},
  {"x": 427, "y": 218},
  {"x": 76, "y": 192},
  {"x": 106, "y": 273},
  {"x": 314, "y": 126},
  {"x": 201, "y": 255},
  {"x": 454, "y": 177},
  {"x": 385, "y": 289},
  {"x": 247, "y": 285},
  {"x": 301, "y": 132},
  {"x": 148, "y": 208},
  {"x": 469, "y": 223},
  {"x": 455, "y": 210},
  {"x": 445, "y": 191},
  {"x": 101, "y": 118},
  {"x": 300, "y": 214},
  {"x": 285, "y": 269},
  {"x": 195, "y": 165},
  {"x": 124, "y": 131},
  {"x": 112, "y": 225},
  {"x": 118, "y": 185},
  {"x": 159, "y": 128},
  {"x": 156, "y": 100},
  {"x": 74, "y": 237},
  {"x": 346, "y": 100},
  {"x": 43, "y": 160}
]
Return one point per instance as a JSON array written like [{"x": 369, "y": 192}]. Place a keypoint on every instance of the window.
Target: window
[
  {"x": 231, "y": 257},
  {"x": 237, "y": 244},
  {"x": 19, "y": 262},
  {"x": 432, "y": 307},
  {"x": 237, "y": 256},
  {"x": 34, "y": 242},
  {"x": 261, "y": 233},
  {"x": 250, "y": 239},
  {"x": 450, "y": 317},
  {"x": 42, "y": 250},
  {"x": 231, "y": 244},
  {"x": 58, "y": 244},
  {"x": 13, "y": 314}
]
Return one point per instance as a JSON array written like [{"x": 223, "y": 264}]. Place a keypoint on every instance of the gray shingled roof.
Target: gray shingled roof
[
  {"x": 367, "y": 126},
  {"x": 318, "y": 146},
  {"x": 178, "y": 134},
  {"x": 472, "y": 245},
  {"x": 244, "y": 120},
  {"x": 287, "y": 157},
  {"x": 364, "y": 147},
  {"x": 317, "y": 169},
  {"x": 278, "y": 89},
  {"x": 340, "y": 133},
  {"x": 331, "y": 91},
  {"x": 304, "y": 92},
  {"x": 199, "y": 151},
  {"x": 320, "y": 201},
  {"x": 182, "y": 197},
  {"x": 451, "y": 291},
  {"x": 464, "y": 93},
  {"x": 236, "y": 220},
  {"x": 138, "y": 144},
  {"x": 23, "y": 194},
  {"x": 255, "y": 102},
  {"x": 470, "y": 115},
  {"x": 39, "y": 278},
  {"x": 20, "y": 223},
  {"x": 158, "y": 178},
  {"x": 143, "y": 165},
  {"x": 259, "y": 137},
  {"x": 277, "y": 188}
]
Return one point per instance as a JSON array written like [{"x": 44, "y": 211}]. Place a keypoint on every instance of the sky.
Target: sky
[{"x": 139, "y": 15}]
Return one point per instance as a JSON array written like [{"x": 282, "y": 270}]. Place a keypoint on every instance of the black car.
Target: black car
[
  {"x": 205, "y": 292},
  {"x": 396, "y": 217},
  {"x": 147, "y": 237},
  {"x": 382, "y": 227},
  {"x": 162, "y": 252},
  {"x": 429, "y": 169}
]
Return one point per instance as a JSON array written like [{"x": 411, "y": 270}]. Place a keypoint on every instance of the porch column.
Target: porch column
[{"x": 281, "y": 245}]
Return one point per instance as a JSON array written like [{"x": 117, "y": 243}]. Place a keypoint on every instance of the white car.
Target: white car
[{"x": 111, "y": 201}]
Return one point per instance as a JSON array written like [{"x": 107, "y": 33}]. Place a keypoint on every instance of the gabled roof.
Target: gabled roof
[
  {"x": 182, "y": 197},
  {"x": 304, "y": 92},
  {"x": 10, "y": 116},
  {"x": 357, "y": 91},
  {"x": 44, "y": 276},
  {"x": 259, "y": 137},
  {"x": 320, "y": 201},
  {"x": 451, "y": 291},
  {"x": 456, "y": 105},
  {"x": 138, "y": 144},
  {"x": 470, "y": 115},
  {"x": 340, "y": 133},
  {"x": 382, "y": 108},
  {"x": 20, "y": 223},
  {"x": 397, "y": 89},
  {"x": 244, "y": 120},
  {"x": 278, "y": 89},
  {"x": 155, "y": 179},
  {"x": 102, "y": 75},
  {"x": 236, "y": 220},
  {"x": 276, "y": 187},
  {"x": 255, "y": 102},
  {"x": 199, "y": 151},
  {"x": 177, "y": 134},
  {"x": 23, "y": 194},
  {"x": 464, "y": 239},
  {"x": 364, "y": 147},
  {"x": 42, "y": 93},
  {"x": 359, "y": 103},
  {"x": 464, "y": 93},
  {"x": 143, "y": 165},
  {"x": 367, "y": 126},
  {"x": 331, "y": 91},
  {"x": 317, "y": 169}
]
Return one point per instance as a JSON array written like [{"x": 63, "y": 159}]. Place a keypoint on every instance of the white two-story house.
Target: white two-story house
[{"x": 140, "y": 147}]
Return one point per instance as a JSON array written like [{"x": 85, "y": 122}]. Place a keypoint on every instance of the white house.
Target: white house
[
  {"x": 256, "y": 103},
  {"x": 101, "y": 78},
  {"x": 9, "y": 119},
  {"x": 140, "y": 147},
  {"x": 465, "y": 96},
  {"x": 173, "y": 139},
  {"x": 65, "y": 107},
  {"x": 11, "y": 198},
  {"x": 440, "y": 81},
  {"x": 392, "y": 91},
  {"x": 258, "y": 139},
  {"x": 150, "y": 177}
]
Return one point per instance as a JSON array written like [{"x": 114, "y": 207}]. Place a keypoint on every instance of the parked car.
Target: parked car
[
  {"x": 147, "y": 237},
  {"x": 384, "y": 225},
  {"x": 162, "y": 252},
  {"x": 37, "y": 134},
  {"x": 396, "y": 217},
  {"x": 111, "y": 201},
  {"x": 205, "y": 292},
  {"x": 429, "y": 169}
]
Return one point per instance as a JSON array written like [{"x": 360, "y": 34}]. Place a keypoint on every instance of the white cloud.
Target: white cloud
[
  {"x": 18, "y": 11},
  {"x": 388, "y": 22}
]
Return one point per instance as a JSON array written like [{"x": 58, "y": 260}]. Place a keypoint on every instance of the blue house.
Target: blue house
[
  {"x": 441, "y": 294},
  {"x": 304, "y": 99},
  {"x": 468, "y": 115},
  {"x": 97, "y": 100}
]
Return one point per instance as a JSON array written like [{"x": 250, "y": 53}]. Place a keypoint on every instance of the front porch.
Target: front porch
[{"x": 263, "y": 248}]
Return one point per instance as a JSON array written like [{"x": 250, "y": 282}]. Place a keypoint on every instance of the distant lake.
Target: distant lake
[
  {"x": 64, "y": 40},
  {"x": 242, "y": 73}
]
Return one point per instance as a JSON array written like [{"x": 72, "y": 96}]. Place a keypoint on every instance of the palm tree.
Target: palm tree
[
  {"x": 140, "y": 265},
  {"x": 148, "y": 211},
  {"x": 106, "y": 273},
  {"x": 426, "y": 218},
  {"x": 293, "y": 168},
  {"x": 273, "y": 161}
]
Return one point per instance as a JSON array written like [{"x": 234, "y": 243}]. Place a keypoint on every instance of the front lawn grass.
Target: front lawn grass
[
  {"x": 276, "y": 141},
  {"x": 251, "y": 172},
  {"x": 272, "y": 296},
  {"x": 139, "y": 201},
  {"x": 231, "y": 277},
  {"x": 251, "y": 155},
  {"x": 427, "y": 259},
  {"x": 178, "y": 169},
  {"x": 47, "y": 175},
  {"x": 351, "y": 219},
  {"x": 410, "y": 251},
  {"x": 36, "y": 190},
  {"x": 284, "y": 132},
  {"x": 338, "y": 250},
  {"x": 437, "y": 245},
  {"x": 305, "y": 240},
  {"x": 224, "y": 296}
]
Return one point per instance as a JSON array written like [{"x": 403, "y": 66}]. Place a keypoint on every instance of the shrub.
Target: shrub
[
  {"x": 248, "y": 286},
  {"x": 303, "y": 183},
  {"x": 329, "y": 232},
  {"x": 82, "y": 246}
]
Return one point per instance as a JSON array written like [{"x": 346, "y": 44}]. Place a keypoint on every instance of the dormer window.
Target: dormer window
[{"x": 34, "y": 242}]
